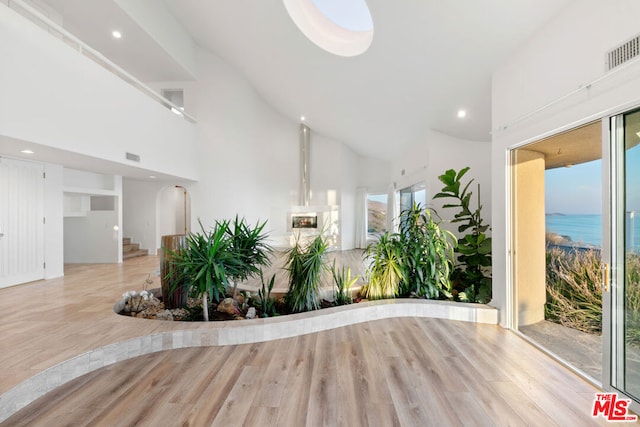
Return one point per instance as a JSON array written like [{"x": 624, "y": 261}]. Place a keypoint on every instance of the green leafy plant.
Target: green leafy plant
[
  {"x": 211, "y": 258},
  {"x": 384, "y": 272},
  {"x": 417, "y": 261},
  {"x": 304, "y": 264},
  {"x": 265, "y": 303},
  {"x": 473, "y": 272},
  {"x": 428, "y": 255},
  {"x": 343, "y": 281},
  {"x": 204, "y": 264},
  {"x": 250, "y": 250}
]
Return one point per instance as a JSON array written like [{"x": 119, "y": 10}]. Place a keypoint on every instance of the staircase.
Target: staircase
[{"x": 132, "y": 250}]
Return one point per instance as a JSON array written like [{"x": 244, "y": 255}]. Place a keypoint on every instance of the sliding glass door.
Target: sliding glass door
[{"x": 624, "y": 305}]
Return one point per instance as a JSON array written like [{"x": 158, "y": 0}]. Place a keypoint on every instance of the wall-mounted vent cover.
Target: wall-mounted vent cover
[
  {"x": 623, "y": 53},
  {"x": 134, "y": 157}
]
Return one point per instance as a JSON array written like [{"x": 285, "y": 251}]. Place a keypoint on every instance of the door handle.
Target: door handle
[{"x": 605, "y": 277}]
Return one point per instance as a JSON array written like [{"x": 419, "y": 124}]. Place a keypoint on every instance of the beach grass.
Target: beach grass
[
  {"x": 574, "y": 294},
  {"x": 574, "y": 291}
]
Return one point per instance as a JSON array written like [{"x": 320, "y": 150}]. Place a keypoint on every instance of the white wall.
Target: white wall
[
  {"x": 53, "y": 234},
  {"x": 373, "y": 174},
  {"x": 139, "y": 216},
  {"x": 53, "y": 95},
  {"x": 164, "y": 28},
  {"x": 248, "y": 154},
  {"x": 433, "y": 155},
  {"x": 349, "y": 184},
  {"x": 561, "y": 61},
  {"x": 91, "y": 236}
]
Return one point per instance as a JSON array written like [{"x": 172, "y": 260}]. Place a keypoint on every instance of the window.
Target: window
[
  {"x": 376, "y": 214},
  {"x": 413, "y": 194}
]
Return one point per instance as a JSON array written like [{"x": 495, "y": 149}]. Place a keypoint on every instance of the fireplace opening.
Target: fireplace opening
[{"x": 304, "y": 221}]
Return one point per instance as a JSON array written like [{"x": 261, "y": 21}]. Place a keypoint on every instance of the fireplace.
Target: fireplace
[{"x": 309, "y": 220}]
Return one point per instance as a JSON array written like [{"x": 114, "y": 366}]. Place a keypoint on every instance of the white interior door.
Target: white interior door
[{"x": 21, "y": 222}]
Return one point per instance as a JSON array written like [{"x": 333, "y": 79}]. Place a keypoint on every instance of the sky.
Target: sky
[
  {"x": 574, "y": 190},
  {"x": 578, "y": 189},
  {"x": 350, "y": 14}
]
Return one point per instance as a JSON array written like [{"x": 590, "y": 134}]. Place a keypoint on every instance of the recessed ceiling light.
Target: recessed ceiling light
[
  {"x": 303, "y": 118},
  {"x": 116, "y": 34},
  {"x": 27, "y": 151},
  {"x": 152, "y": 176},
  {"x": 462, "y": 114}
]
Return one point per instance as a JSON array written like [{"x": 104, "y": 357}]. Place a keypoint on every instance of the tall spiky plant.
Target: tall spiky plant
[
  {"x": 305, "y": 264},
  {"x": 204, "y": 263},
  {"x": 251, "y": 252},
  {"x": 385, "y": 272}
]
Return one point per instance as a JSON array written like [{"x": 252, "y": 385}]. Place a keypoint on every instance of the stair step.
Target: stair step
[
  {"x": 130, "y": 247},
  {"x": 132, "y": 250},
  {"x": 135, "y": 254}
]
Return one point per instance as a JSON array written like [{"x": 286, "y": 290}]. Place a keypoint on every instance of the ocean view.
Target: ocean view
[{"x": 587, "y": 229}]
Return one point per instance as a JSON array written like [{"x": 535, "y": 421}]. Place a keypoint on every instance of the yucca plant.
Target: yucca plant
[
  {"x": 210, "y": 258},
  {"x": 205, "y": 263},
  {"x": 343, "y": 281},
  {"x": 250, "y": 250},
  {"x": 266, "y": 304},
  {"x": 385, "y": 270},
  {"x": 305, "y": 264}
]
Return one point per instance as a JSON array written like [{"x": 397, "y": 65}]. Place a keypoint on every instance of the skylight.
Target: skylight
[
  {"x": 349, "y": 14},
  {"x": 341, "y": 27}
]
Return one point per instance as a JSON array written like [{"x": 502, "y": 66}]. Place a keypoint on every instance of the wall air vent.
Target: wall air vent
[
  {"x": 623, "y": 53},
  {"x": 134, "y": 157}
]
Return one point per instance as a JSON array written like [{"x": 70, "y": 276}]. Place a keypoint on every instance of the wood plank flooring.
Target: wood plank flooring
[{"x": 410, "y": 371}]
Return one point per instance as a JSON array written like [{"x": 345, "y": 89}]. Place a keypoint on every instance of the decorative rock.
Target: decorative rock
[
  {"x": 119, "y": 306},
  {"x": 157, "y": 292},
  {"x": 251, "y": 313},
  {"x": 164, "y": 315},
  {"x": 228, "y": 306}
]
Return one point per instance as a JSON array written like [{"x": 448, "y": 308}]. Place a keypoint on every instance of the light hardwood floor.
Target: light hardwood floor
[{"x": 409, "y": 371}]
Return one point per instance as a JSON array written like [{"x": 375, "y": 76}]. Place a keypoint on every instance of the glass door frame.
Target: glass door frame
[{"x": 614, "y": 300}]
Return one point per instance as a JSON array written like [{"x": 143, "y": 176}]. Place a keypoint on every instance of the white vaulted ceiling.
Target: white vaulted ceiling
[{"x": 427, "y": 60}]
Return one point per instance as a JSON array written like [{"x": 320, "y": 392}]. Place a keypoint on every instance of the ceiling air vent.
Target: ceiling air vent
[
  {"x": 623, "y": 53},
  {"x": 134, "y": 157}
]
